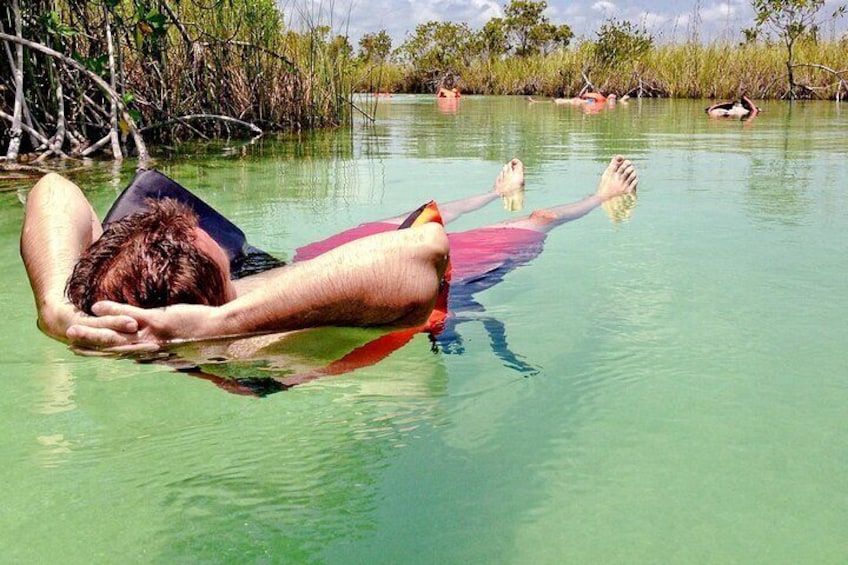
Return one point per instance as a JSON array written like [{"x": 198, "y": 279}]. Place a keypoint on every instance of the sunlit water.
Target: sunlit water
[{"x": 687, "y": 401}]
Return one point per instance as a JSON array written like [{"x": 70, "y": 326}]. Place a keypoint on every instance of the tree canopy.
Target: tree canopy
[
  {"x": 529, "y": 31},
  {"x": 791, "y": 20}
]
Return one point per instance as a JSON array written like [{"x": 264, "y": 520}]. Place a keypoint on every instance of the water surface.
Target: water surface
[{"x": 686, "y": 403}]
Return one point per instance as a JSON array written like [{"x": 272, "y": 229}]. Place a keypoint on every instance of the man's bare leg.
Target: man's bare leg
[
  {"x": 509, "y": 186},
  {"x": 618, "y": 180}
]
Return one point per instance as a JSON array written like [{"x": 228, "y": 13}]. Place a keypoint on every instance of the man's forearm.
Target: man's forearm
[
  {"x": 58, "y": 225},
  {"x": 379, "y": 280}
]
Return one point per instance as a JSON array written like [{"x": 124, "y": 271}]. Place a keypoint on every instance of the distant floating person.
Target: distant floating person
[
  {"x": 595, "y": 97},
  {"x": 445, "y": 93},
  {"x": 576, "y": 101},
  {"x": 586, "y": 99},
  {"x": 745, "y": 109}
]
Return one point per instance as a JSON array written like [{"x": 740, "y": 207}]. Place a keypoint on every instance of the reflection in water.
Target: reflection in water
[
  {"x": 778, "y": 189},
  {"x": 620, "y": 209},
  {"x": 450, "y": 341},
  {"x": 56, "y": 397},
  {"x": 58, "y": 388},
  {"x": 263, "y": 365},
  {"x": 306, "y": 475},
  {"x": 785, "y": 178},
  {"x": 448, "y": 106},
  {"x": 54, "y": 450}
]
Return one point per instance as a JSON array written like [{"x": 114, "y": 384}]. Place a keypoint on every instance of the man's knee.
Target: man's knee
[{"x": 543, "y": 216}]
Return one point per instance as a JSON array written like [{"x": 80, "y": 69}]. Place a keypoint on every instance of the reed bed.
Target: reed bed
[{"x": 687, "y": 70}]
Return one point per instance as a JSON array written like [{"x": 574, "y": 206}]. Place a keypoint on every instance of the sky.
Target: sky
[{"x": 666, "y": 20}]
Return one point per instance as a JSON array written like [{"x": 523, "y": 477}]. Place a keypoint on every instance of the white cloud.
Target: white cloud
[
  {"x": 653, "y": 21},
  {"x": 716, "y": 18},
  {"x": 604, "y": 7},
  {"x": 718, "y": 12},
  {"x": 397, "y": 17},
  {"x": 667, "y": 26}
]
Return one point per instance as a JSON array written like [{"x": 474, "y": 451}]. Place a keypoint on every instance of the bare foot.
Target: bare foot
[
  {"x": 511, "y": 178},
  {"x": 510, "y": 185},
  {"x": 618, "y": 189},
  {"x": 619, "y": 178}
]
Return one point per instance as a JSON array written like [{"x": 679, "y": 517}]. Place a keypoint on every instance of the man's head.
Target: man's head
[{"x": 151, "y": 259}]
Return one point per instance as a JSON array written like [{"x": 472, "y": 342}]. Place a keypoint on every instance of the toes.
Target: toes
[
  {"x": 618, "y": 164},
  {"x": 628, "y": 175},
  {"x": 513, "y": 171}
]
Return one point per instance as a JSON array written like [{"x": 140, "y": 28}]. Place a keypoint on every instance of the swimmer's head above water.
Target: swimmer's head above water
[{"x": 151, "y": 259}]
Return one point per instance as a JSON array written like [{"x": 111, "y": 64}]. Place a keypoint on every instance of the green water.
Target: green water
[{"x": 691, "y": 376}]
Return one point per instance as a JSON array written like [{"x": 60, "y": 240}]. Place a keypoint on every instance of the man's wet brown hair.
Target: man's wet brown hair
[{"x": 148, "y": 259}]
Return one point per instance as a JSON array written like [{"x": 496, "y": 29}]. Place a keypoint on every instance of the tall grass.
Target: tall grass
[{"x": 683, "y": 70}]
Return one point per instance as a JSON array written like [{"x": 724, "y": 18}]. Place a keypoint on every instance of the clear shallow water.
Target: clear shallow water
[{"x": 688, "y": 405}]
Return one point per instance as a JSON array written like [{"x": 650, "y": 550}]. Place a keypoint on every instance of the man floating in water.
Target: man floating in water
[
  {"x": 745, "y": 109},
  {"x": 156, "y": 274}
]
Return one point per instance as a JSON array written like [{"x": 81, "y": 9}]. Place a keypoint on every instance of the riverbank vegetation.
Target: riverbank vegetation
[
  {"x": 715, "y": 70},
  {"x": 78, "y": 78},
  {"x": 81, "y": 78},
  {"x": 782, "y": 55}
]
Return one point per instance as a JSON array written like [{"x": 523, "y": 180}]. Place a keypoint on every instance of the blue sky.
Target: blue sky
[{"x": 667, "y": 20}]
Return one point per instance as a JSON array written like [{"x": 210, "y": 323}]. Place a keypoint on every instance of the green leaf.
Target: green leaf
[
  {"x": 97, "y": 65},
  {"x": 156, "y": 20},
  {"x": 53, "y": 25}
]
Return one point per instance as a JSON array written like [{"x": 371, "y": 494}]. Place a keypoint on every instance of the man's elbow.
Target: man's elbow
[
  {"x": 49, "y": 182},
  {"x": 423, "y": 288},
  {"x": 435, "y": 245}
]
